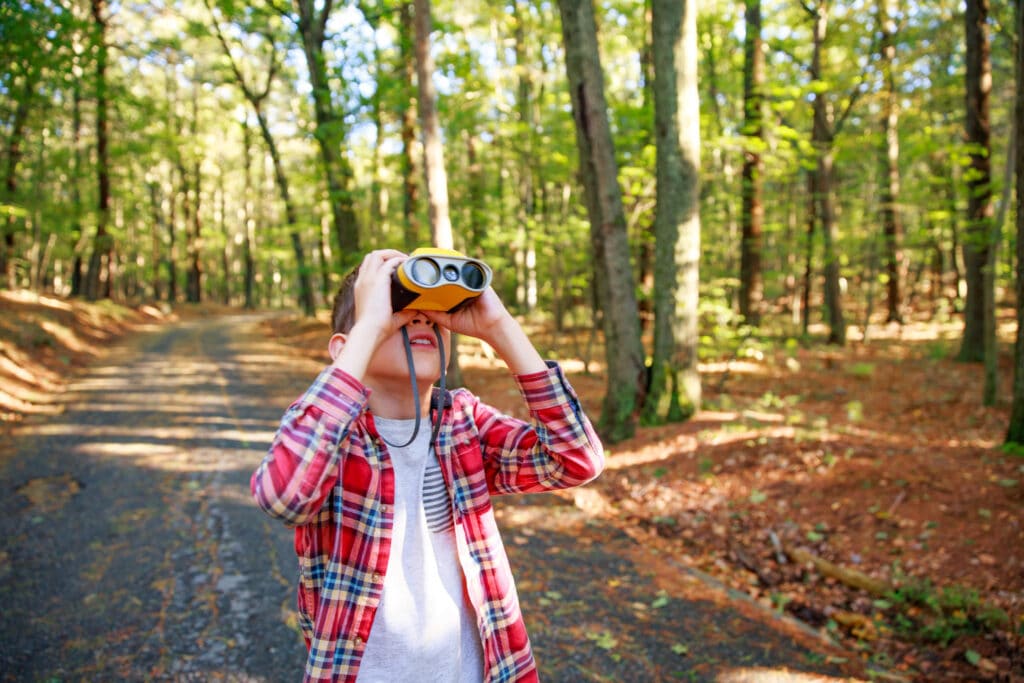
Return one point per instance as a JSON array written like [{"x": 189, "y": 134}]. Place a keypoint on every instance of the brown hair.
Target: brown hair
[{"x": 343, "y": 315}]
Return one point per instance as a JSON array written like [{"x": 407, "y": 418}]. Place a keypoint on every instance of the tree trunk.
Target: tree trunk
[
  {"x": 330, "y": 130},
  {"x": 526, "y": 256},
  {"x": 77, "y": 230},
  {"x": 194, "y": 278},
  {"x": 102, "y": 250},
  {"x": 677, "y": 219},
  {"x": 979, "y": 183},
  {"x": 823, "y": 138},
  {"x": 305, "y": 293},
  {"x": 410, "y": 187},
  {"x": 14, "y": 154},
  {"x": 751, "y": 278},
  {"x": 1015, "y": 432},
  {"x": 157, "y": 217},
  {"x": 891, "y": 219},
  {"x": 812, "y": 223},
  {"x": 305, "y": 280},
  {"x": 615, "y": 287},
  {"x": 248, "y": 234},
  {"x": 433, "y": 149}
]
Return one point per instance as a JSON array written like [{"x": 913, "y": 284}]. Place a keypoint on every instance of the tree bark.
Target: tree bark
[
  {"x": 330, "y": 130},
  {"x": 102, "y": 250},
  {"x": 614, "y": 283},
  {"x": 891, "y": 219},
  {"x": 248, "y": 233},
  {"x": 256, "y": 99},
  {"x": 410, "y": 186},
  {"x": 433, "y": 150},
  {"x": 194, "y": 278},
  {"x": 1015, "y": 431},
  {"x": 677, "y": 218},
  {"x": 979, "y": 181},
  {"x": 751, "y": 279},
  {"x": 823, "y": 138}
]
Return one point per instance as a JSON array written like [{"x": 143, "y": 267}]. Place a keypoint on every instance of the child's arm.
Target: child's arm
[
  {"x": 559, "y": 448},
  {"x": 302, "y": 466}
]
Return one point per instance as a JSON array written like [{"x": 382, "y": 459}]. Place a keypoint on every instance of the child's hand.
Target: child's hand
[
  {"x": 481, "y": 318},
  {"x": 487, "y": 319},
  {"x": 372, "y": 293}
]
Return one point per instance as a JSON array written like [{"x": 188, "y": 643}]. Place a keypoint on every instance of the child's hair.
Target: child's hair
[{"x": 343, "y": 315}]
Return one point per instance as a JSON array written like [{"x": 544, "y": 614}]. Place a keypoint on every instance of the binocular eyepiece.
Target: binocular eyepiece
[{"x": 434, "y": 279}]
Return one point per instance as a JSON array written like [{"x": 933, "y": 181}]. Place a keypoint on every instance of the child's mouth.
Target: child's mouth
[{"x": 423, "y": 341}]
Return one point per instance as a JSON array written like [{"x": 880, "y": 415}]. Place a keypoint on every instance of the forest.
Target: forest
[
  {"x": 790, "y": 168},
  {"x": 782, "y": 239}
]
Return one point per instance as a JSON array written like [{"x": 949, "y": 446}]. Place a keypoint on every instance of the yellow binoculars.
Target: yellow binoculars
[{"x": 433, "y": 279}]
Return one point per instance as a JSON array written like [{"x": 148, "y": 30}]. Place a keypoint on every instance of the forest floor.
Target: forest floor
[{"x": 862, "y": 490}]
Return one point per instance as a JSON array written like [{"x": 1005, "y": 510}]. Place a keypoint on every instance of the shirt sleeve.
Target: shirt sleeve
[
  {"x": 301, "y": 467},
  {"x": 558, "y": 448}
]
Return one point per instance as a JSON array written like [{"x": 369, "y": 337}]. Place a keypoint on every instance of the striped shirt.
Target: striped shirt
[{"x": 330, "y": 476}]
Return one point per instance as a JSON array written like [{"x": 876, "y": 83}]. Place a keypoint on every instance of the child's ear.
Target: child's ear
[{"x": 336, "y": 344}]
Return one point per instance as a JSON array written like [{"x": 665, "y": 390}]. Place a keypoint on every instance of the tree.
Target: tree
[
  {"x": 613, "y": 277},
  {"x": 330, "y": 125},
  {"x": 98, "y": 284},
  {"x": 823, "y": 138},
  {"x": 1015, "y": 433},
  {"x": 407, "y": 68},
  {"x": 256, "y": 99},
  {"x": 433, "y": 147},
  {"x": 978, "y": 179},
  {"x": 677, "y": 217},
  {"x": 891, "y": 219},
  {"x": 751, "y": 279}
]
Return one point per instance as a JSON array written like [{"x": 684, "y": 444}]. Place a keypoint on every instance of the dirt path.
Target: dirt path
[{"x": 131, "y": 551}]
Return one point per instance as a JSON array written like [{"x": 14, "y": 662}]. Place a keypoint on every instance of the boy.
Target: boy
[{"x": 402, "y": 572}]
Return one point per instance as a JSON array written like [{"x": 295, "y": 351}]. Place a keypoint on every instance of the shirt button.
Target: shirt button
[
  {"x": 358, "y": 641},
  {"x": 377, "y": 578}
]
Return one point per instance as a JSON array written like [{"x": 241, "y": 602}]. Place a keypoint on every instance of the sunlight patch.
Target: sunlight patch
[{"x": 765, "y": 675}]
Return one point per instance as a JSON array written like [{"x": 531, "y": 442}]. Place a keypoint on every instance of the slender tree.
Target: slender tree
[
  {"x": 891, "y": 218},
  {"x": 97, "y": 283},
  {"x": 614, "y": 283},
  {"x": 677, "y": 218},
  {"x": 751, "y": 278},
  {"x": 256, "y": 99},
  {"x": 433, "y": 146},
  {"x": 979, "y": 179},
  {"x": 823, "y": 139},
  {"x": 1015, "y": 433},
  {"x": 331, "y": 129}
]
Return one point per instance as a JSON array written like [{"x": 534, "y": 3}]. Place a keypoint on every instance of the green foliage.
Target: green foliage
[{"x": 942, "y": 615}]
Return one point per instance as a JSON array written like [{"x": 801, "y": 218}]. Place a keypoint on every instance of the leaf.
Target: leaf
[
  {"x": 758, "y": 497},
  {"x": 972, "y": 657},
  {"x": 680, "y": 649},
  {"x": 605, "y": 640},
  {"x": 660, "y": 601}
]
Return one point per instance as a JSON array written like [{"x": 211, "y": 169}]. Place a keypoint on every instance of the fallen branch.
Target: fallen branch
[{"x": 849, "y": 577}]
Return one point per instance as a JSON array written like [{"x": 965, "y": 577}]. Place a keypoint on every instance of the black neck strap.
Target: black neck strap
[{"x": 442, "y": 393}]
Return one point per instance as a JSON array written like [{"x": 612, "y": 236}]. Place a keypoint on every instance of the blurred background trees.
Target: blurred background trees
[{"x": 851, "y": 159}]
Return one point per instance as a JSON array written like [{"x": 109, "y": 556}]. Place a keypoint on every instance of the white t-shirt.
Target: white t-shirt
[{"x": 425, "y": 629}]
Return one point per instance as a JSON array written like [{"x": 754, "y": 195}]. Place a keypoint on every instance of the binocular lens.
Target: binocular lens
[
  {"x": 425, "y": 271},
  {"x": 473, "y": 276},
  {"x": 451, "y": 273}
]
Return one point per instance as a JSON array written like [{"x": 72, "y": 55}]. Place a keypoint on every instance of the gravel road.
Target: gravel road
[{"x": 130, "y": 549}]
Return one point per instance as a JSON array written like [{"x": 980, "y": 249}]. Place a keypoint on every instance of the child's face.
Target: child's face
[{"x": 389, "y": 367}]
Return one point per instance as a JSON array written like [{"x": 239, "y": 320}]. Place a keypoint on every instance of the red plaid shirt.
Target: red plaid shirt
[{"x": 329, "y": 475}]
